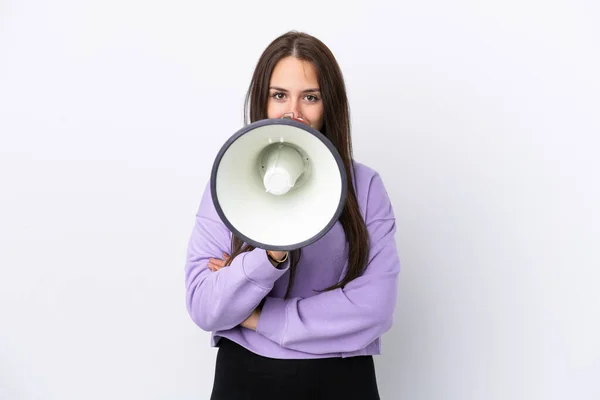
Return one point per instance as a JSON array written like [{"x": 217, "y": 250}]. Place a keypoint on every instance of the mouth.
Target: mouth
[{"x": 301, "y": 120}]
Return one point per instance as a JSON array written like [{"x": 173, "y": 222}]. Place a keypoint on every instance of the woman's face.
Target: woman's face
[{"x": 294, "y": 88}]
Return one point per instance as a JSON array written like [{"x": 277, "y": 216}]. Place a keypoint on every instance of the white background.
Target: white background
[{"x": 481, "y": 117}]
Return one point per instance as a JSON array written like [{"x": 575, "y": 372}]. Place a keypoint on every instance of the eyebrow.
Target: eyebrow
[{"x": 312, "y": 90}]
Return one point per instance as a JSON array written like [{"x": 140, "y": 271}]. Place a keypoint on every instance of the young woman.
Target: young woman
[{"x": 303, "y": 324}]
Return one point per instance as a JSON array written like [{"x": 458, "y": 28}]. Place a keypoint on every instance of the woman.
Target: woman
[{"x": 302, "y": 325}]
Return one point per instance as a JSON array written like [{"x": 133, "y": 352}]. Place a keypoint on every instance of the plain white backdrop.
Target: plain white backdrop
[{"x": 481, "y": 117}]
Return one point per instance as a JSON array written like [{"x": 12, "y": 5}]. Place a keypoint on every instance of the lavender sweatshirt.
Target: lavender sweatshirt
[{"x": 340, "y": 323}]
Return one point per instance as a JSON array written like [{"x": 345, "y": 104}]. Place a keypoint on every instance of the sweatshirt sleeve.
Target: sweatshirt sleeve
[
  {"x": 223, "y": 299},
  {"x": 347, "y": 319}
]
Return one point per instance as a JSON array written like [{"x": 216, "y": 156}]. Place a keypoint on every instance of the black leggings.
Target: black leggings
[{"x": 243, "y": 375}]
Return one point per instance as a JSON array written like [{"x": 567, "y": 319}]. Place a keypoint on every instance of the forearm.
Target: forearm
[
  {"x": 223, "y": 299},
  {"x": 328, "y": 322}
]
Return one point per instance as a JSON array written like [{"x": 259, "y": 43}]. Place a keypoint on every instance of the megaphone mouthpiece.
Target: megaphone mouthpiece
[{"x": 283, "y": 166}]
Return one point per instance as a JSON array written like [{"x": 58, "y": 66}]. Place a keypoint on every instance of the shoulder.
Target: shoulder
[
  {"x": 363, "y": 172},
  {"x": 367, "y": 181},
  {"x": 371, "y": 192}
]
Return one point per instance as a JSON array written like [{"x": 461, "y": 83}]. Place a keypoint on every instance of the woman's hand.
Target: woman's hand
[
  {"x": 215, "y": 264},
  {"x": 252, "y": 321}
]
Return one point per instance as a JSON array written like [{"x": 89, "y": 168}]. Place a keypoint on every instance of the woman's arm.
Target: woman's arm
[
  {"x": 223, "y": 299},
  {"x": 348, "y": 319}
]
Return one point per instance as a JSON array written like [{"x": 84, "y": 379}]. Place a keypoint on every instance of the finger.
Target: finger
[
  {"x": 216, "y": 261},
  {"x": 215, "y": 266},
  {"x": 219, "y": 263},
  {"x": 212, "y": 266},
  {"x": 226, "y": 256}
]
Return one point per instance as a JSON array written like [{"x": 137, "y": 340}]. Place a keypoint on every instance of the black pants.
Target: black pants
[{"x": 243, "y": 375}]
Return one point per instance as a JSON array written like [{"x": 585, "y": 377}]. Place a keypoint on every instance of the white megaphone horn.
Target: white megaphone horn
[{"x": 278, "y": 184}]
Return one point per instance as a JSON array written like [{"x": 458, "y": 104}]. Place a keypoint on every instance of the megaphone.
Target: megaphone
[{"x": 278, "y": 184}]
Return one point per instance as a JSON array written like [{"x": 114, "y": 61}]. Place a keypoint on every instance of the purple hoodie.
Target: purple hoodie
[{"x": 308, "y": 324}]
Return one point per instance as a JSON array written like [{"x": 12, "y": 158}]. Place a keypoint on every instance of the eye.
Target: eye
[
  {"x": 312, "y": 98},
  {"x": 278, "y": 95}
]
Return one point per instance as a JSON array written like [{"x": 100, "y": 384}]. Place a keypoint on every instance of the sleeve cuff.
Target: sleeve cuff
[
  {"x": 258, "y": 268},
  {"x": 273, "y": 319}
]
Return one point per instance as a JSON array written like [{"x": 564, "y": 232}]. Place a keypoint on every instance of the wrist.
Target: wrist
[{"x": 277, "y": 256}]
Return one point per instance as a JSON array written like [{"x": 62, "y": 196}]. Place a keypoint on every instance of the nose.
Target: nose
[{"x": 295, "y": 108}]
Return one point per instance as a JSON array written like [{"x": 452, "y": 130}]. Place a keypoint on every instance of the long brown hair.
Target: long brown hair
[{"x": 336, "y": 127}]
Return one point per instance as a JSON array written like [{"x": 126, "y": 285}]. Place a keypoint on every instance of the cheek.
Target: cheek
[
  {"x": 316, "y": 116},
  {"x": 274, "y": 110}
]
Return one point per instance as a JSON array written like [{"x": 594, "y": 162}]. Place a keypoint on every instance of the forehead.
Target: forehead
[{"x": 291, "y": 71}]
